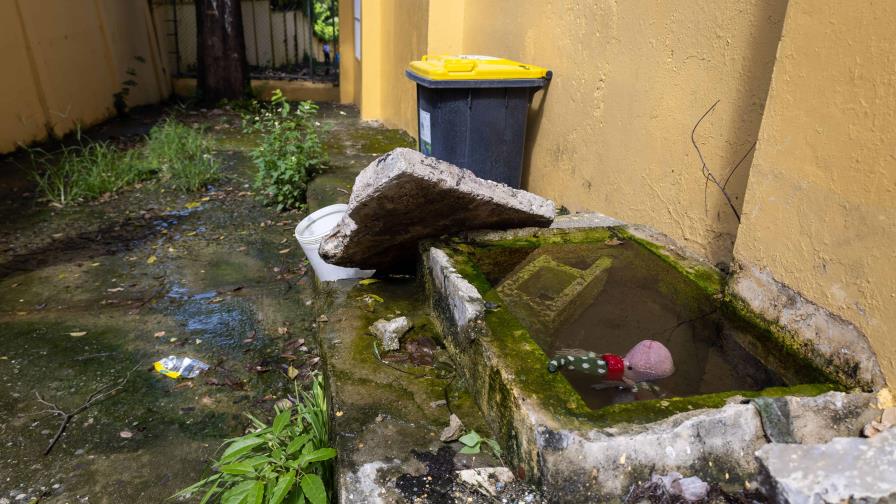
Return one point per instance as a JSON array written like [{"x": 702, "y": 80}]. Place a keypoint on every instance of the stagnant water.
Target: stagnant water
[{"x": 606, "y": 298}]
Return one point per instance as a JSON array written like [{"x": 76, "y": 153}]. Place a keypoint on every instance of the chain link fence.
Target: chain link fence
[{"x": 280, "y": 42}]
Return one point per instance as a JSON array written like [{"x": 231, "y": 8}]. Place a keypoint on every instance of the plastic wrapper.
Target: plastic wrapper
[{"x": 180, "y": 367}]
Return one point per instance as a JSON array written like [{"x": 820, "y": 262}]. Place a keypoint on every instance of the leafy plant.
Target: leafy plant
[
  {"x": 472, "y": 442},
  {"x": 290, "y": 153},
  {"x": 288, "y": 461},
  {"x": 85, "y": 171},
  {"x": 181, "y": 155}
]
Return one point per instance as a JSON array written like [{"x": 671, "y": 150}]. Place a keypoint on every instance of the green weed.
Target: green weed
[
  {"x": 181, "y": 155},
  {"x": 290, "y": 154},
  {"x": 85, "y": 172},
  {"x": 288, "y": 461}
]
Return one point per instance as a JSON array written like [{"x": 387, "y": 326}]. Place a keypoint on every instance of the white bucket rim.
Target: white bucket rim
[{"x": 311, "y": 218}]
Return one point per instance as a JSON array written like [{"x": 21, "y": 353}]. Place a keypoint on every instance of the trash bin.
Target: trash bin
[{"x": 472, "y": 112}]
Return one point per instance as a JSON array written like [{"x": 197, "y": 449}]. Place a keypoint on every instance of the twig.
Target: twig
[
  {"x": 707, "y": 173},
  {"x": 101, "y": 394}
]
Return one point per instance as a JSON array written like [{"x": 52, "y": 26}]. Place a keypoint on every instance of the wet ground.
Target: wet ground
[
  {"x": 92, "y": 295},
  {"x": 605, "y": 298}
]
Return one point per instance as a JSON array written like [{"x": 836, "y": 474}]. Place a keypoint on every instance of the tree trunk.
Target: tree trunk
[{"x": 221, "y": 51}]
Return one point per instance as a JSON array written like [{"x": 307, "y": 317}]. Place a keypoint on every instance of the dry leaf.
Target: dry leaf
[
  {"x": 292, "y": 373},
  {"x": 323, "y": 318},
  {"x": 284, "y": 251},
  {"x": 192, "y": 204},
  {"x": 77, "y": 333},
  {"x": 151, "y": 259},
  {"x": 159, "y": 334},
  {"x": 282, "y": 330},
  {"x": 116, "y": 289},
  {"x": 126, "y": 434},
  {"x": 339, "y": 413},
  {"x": 368, "y": 281}
]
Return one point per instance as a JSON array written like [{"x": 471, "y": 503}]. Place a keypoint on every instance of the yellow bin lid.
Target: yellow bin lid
[{"x": 466, "y": 67}]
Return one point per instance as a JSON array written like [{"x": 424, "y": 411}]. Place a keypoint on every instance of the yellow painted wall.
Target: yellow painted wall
[
  {"x": 349, "y": 66},
  {"x": 64, "y": 59},
  {"x": 820, "y": 212},
  {"x": 631, "y": 79},
  {"x": 394, "y": 32}
]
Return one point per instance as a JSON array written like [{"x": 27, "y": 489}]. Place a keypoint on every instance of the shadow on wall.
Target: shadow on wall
[
  {"x": 733, "y": 171},
  {"x": 536, "y": 112},
  {"x": 653, "y": 94}
]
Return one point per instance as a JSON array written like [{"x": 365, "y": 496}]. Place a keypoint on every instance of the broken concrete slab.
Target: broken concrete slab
[
  {"x": 815, "y": 419},
  {"x": 827, "y": 339},
  {"x": 404, "y": 197},
  {"x": 389, "y": 332},
  {"x": 842, "y": 470}
]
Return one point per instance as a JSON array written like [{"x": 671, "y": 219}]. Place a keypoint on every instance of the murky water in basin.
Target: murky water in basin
[{"x": 606, "y": 298}]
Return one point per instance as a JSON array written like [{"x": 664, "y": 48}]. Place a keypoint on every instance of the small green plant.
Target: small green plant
[
  {"x": 290, "y": 153},
  {"x": 181, "y": 155},
  {"x": 84, "y": 172},
  {"x": 288, "y": 461},
  {"x": 472, "y": 442}
]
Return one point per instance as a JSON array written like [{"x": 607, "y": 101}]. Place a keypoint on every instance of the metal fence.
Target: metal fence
[{"x": 280, "y": 44}]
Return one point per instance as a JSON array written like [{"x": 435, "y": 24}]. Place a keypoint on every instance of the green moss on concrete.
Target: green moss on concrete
[
  {"x": 527, "y": 363},
  {"x": 642, "y": 412},
  {"x": 709, "y": 279},
  {"x": 780, "y": 348}
]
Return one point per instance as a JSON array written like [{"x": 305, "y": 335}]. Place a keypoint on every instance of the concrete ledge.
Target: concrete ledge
[
  {"x": 831, "y": 342},
  {"x": 582, "y": 455},
  {"x": 293, "y": 90}
]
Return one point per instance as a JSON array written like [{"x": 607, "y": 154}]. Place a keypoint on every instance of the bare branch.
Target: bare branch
[
  {"x": 101, "y": 394},
  {"x": 707, "y": 173}
]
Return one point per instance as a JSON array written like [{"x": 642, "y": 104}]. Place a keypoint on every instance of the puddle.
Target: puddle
[{"x": 605, "y": 299}]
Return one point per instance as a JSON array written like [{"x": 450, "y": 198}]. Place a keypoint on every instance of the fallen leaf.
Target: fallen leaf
[
  {"x": 126, "y": 434},
  {"x": 95, "y": 264},
  {"x": 323, "y": 318},
  {"x": 172, "y": 340},
  {"x": 292, "y": 373},
  {"x": 215, "y": 300},
  {"x": 282, "y": 330},
  {"x": 116, "y": 289},
  {"x": 205, "y": 199},
  {"x": 151, "y": 259},
  {"x": 284, "y": 251},
  {"x": 77, "y": 333},
  {"x": 192, "y": 204},
  {"x": 339, "y": 413},
  {"x": 613, "y": 242},
  {"x": 159, "y": 334},
  {"x": 368, "y": 281}
]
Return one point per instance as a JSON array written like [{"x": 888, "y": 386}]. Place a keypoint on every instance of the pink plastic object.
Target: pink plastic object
[{"x": 649, "y": 360}]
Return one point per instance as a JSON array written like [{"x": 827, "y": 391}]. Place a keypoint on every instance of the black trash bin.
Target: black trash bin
[{"x": 472, "y": 112}]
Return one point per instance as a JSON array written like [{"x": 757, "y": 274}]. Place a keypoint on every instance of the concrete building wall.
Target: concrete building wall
[
  {"x": 820, "y": 212},
  {"x": 631, "y": 79},
  {"x": 64, "y": 59},
  {"x": 394, "y": 32}
]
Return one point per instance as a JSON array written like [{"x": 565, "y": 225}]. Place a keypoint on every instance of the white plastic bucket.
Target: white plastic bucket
[{"x": 311, "y": 230}]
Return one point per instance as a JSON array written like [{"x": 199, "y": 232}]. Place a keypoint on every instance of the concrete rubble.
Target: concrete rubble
[
  {"x": 842, "y": 470},
  {"x": 404, "y": 197},
  {"x": 389, "y": 332}
]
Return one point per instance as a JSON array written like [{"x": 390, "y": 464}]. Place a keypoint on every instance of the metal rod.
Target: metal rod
[
  {"x": 310, "y": 39},
  {"x": 271, "y": 29},
  {"x": 255, "y": 34},
  {"x": 176, "y": 38},
  {"x": 295, "y": 35}
]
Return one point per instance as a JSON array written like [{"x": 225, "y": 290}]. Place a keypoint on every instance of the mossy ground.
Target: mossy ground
[{"x": 219, "y": 274}]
